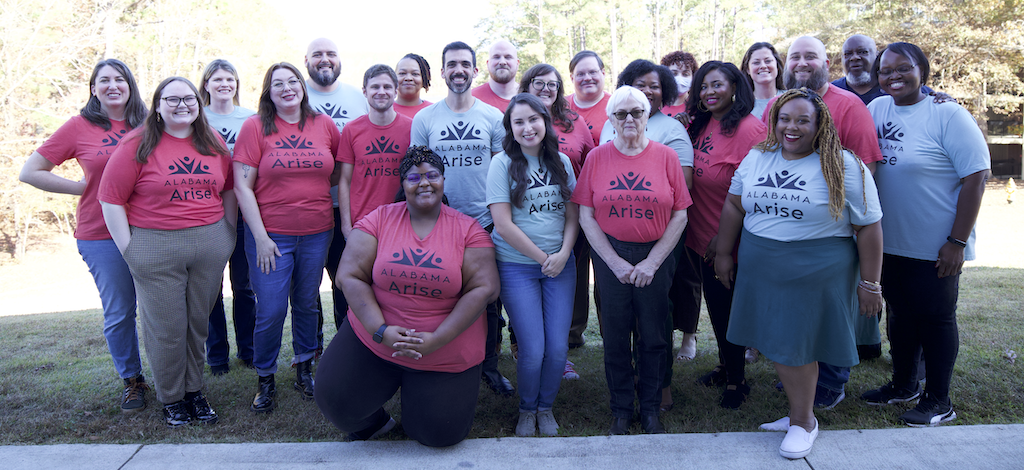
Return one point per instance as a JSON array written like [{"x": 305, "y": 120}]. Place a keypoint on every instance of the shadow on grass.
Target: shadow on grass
[{"x": 59, "y": 385}]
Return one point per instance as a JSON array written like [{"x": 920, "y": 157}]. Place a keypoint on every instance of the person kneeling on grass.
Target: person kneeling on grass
[{"x": 414, "y": 317}]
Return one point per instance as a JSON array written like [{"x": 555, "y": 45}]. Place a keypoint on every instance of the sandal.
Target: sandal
[
  {"x": 688, "y": 349},
  {"x": 734, "y": 395},
  {"x": 716, "y": 377}
]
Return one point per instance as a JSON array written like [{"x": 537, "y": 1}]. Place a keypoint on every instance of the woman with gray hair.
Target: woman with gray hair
[{"x": 633, "y": 201}]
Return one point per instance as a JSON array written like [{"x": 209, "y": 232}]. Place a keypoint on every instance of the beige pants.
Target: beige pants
[{"x": 177, "y": 276}]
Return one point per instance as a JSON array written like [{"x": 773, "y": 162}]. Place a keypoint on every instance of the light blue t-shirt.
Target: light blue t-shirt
[
  {"x": 927, "y": 148},
  {"x": 465, "y": 142},
  {"x": 787, "y": 200},
  {"x": 542, "y": 216},
  {"x": 663, "y": 130},
  {"x": 228, "y": 125}
]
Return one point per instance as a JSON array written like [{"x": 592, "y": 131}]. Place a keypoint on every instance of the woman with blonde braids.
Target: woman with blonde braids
[{"x": 801, "y": 198}]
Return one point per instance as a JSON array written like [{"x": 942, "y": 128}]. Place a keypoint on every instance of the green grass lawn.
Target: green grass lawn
[{"x": 59, "y": 386}]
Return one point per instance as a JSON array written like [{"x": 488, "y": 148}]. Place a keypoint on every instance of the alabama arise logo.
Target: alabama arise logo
[
  {"x": 340, "y": 115},
  {"x": 890, "y": 131},
  {"x": 188, "y": 166},
  {"x": 782, "y": 180},
  {"x": 383, "y": 145},
  {"x": 539, "y": 179},
  {"x": 113, "y": 138},
  {"x": 705, "y": 145},
  {"x": 228, "y": 135},
  {"x": 294, "y": 142},
  {"x": 418, "y": 258},
  {"x": 460, "y": 131},
  {"x": 630, "y": 182}
]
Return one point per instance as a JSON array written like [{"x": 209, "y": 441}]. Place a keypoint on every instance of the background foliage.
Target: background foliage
[{"x": 48, "y": 49}]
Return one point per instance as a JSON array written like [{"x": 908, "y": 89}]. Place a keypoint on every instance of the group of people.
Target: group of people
[{"x": 762, "y": 188}]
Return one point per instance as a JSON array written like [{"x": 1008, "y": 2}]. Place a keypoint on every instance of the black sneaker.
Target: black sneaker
[
  {"x": 177, "y": 414},
  {"x": 133, "y": 398},
  {"x": 200, "y": 409},
  {"x": 826, "y": 399},
  {"x": 929, "y": 412},
  {"x": 889, "y": 394},
  {"x": 381, "y": 427}
]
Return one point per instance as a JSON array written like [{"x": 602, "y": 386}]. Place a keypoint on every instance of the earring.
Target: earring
[{"x": 701, "y": 106}]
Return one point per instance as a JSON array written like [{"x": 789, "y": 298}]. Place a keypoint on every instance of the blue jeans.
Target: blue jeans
[
  {"x": 644, "y": 309},
  {"x": 243, "y": 309},
  {"x": 299, "y": 271},
  {"x": 540, "y": 309},
  {"x": 117, "y": 293}
]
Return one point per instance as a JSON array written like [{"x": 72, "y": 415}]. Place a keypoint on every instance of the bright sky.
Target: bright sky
[{"x": 381, "y": 31}]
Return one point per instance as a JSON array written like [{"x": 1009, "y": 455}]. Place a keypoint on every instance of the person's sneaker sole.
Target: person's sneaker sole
[
  {"x": 829, "y": 406},
  {"x": 893, "y": 401},
  {"x": 935, "y": 421}
]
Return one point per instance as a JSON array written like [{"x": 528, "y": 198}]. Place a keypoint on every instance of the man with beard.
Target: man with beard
[
  {"x": 342, "y": 103},
  {"x": 372, "y": 146},
  {"x": 807, "y": 66},
  {"x": 465, "y": 132},
  {"x": 502, "y": 65},
  {"x": 859, "y": 54}
]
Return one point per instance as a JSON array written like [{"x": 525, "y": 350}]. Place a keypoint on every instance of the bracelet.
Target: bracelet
[
  {"x": 869, "y": 287},
  {"x": 957, "y": 242},
  {"x": 871, "y": 283},
  {"x": 379, "y": 335}
]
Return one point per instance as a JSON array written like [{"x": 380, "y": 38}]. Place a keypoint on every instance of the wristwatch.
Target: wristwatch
[{"x": 379, "y": 335}]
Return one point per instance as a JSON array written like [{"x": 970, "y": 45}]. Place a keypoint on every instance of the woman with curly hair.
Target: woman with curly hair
[
  {"x": 800, "y": 198},
  {"x": 724, "y": 132},
  {"x": 683, "y": 66}
]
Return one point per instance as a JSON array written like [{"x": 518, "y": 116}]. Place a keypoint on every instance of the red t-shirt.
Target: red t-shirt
[
  {"x": 410, "y": 111},
  {"x": 715, "y": 159},
  {"x": 418, "y": 282},
  {"x": 176, "y": 188},
  {"x": 375, "y": 152},
  {"x": 486, "y": 94},
  {"x": 595, "y": 116},
  {"x": 853, "y": 122},
  {"x": 91, "y": 146},
  {"x": 633, "y": 196},
  {"x": 293, "y": 183},
  {"x": 671, "y": 111},
  {"x": 576, "y": 144}
]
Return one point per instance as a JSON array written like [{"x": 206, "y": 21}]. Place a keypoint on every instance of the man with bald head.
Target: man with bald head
[
  {"x": 502, "y": 65},
  {"x": 342, "y": 103},
  {"x": 859, "y": 55},
  {"x": 807, "y": 66}
]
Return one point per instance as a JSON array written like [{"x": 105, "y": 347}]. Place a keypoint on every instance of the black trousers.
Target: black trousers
[{"x": 352, "y": 385}]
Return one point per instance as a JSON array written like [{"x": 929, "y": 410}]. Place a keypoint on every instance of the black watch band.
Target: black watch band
[{"x": 379, "y": 335}]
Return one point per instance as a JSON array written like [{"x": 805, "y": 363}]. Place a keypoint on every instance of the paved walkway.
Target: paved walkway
[{"x": 960, "y": 447}]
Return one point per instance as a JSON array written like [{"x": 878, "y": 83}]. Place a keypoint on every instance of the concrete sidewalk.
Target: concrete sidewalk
[{"x": 961, "y": 447}]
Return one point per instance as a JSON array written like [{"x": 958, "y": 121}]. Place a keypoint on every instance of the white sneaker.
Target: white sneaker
[
  {"x": 798, "y": 442},
  {"x": 779, "y": 425},
  {"x": 527, "y": 425},
  {"x": 546, "y": 422}
]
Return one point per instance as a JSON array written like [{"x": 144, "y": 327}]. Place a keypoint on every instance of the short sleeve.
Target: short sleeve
[
  {"x": 419, "y": 134},
  {"x": 497, "y": 136},
  {"x": 248, "y": 149},
  {"x": 583, "y": 194},
  {"x": 964, "y": 143},
  {"x": 498, "y": 185},
  {"x": 120, "y": 174},
  {"x": 678, "y": 140},
  {"x": 61, "y": 146},
  {"x": 568, "y": 169},
  {"x": 476, "y": 236},
  {"x": 861, "y": 193},
  {"x": 345, "y": 152},
  {"x": 736, "y": 186},
  {"x": 335, "y": 135},
  {"x": 370, "y": 223}
]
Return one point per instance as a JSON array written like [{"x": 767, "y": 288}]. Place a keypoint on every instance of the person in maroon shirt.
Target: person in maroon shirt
[{"x": 114, "y": 108}]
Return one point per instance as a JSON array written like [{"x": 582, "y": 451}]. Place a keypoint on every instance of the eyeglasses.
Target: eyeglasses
[
  {"x": 539, "y": 85},
  {"x": 903, "y": 70},
  {"x": 292, "y": 83},
  {"x": 174, "y": 101},
  {"x": 432, "y": 176},
  {"x": 587, "y": 73},
  {"x": 621, "y": 115}
]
